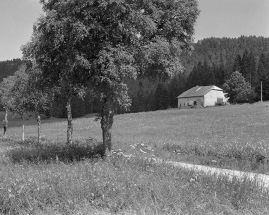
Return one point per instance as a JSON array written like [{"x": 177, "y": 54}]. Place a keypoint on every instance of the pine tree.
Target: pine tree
[
  {"x": 204, "y": 74},
  {"x": 253, "y": 76},
  {"x": 165, "y": 99},
  {"x": 158, "y": 97},
  {"x": 245, "y": 65},
  {"x": 198, "y": 75},
  {"x": 209, "y": 77},
  {"x": 161, "y": 98},
  {"x": 141, "y": 98},
  {"x": 175, "y": 87},
  {"x": 237, "y": 64}
]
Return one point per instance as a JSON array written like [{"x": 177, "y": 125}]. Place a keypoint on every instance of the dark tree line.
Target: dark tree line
[
  {"x": 9, "y": 67},
  {"x": 254, "y": 70},
  {"x": 224, "y": 50},
  {"x": 212, "y": 62},
  {"x": 263, "y": 76},
  {"x": 203, "y": 75},
  {"x": 162, "y": 96}
]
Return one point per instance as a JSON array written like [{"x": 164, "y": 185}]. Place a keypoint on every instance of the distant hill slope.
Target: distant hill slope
[
  {"x": 217, "y": 57},
  {"x": 212, "y": 50},
  {"x": 9, "y": 67},
  {"x": 224, "y": 50}
]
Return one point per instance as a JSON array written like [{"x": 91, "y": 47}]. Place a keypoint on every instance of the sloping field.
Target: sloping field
[
  {"x": 60, "y": 184},
  {"x": 216, "y": 128}
]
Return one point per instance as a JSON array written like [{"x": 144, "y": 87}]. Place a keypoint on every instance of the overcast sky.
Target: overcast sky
[{"x": 218, "y": 18}]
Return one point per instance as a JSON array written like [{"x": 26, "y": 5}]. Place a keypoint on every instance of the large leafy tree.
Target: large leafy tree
[
  {"x": 237, "y": 88},
  {"x": 100, "y": 43}
]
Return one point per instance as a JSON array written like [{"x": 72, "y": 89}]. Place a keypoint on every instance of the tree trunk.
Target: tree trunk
[
  {"x": 6, "y": 114},
  {"x": 69, "y": 122},
  {"x": 22, "y": 135},
  {"x": 38, "y": 127},
  {"x": 106, "y": 125},
  {"x": 5, "y": 123}
]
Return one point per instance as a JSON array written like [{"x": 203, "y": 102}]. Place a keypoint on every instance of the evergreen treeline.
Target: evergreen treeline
[
  {"x": 212, "y": 62},
  {"x": 150, "y": 96},
  {"x": 254, "y": 70},
  {"x": 217, "y": 51},
  {"x": 9, "y": 67}
]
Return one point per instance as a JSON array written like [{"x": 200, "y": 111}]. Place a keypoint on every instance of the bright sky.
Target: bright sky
[
  {"x": 218, "y": 18},
  {"x": 232, "y": 18}
]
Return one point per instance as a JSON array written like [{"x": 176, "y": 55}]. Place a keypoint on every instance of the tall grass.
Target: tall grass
[
  {"x": 51, "y": 178},
  {"x": 122, "y": 186},
  {"x": 247, "y": 158}
]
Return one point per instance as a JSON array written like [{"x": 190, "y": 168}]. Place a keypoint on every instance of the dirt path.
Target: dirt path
[{"x": 261, "y": 179}]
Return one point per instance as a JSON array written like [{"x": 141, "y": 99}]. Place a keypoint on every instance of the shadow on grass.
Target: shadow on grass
[{"x": 48, "y": 152}]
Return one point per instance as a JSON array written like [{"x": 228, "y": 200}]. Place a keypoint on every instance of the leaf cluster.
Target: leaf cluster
[
  {"x": 237, "y": 88},
  {"x": 99, "y": 43},
  {"x": 21, "y": 93}
]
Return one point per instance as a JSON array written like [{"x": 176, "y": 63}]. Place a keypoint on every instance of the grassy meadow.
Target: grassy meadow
[
  {"x": 51, "y": 178},
  {"x": 218, "y": 128},
  {"x": 230, "y": 136}
]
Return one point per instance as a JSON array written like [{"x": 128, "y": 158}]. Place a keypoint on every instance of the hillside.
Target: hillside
[
  {"x": 225, "y": 134},
  {"x": 212, "y": 50},
  {"x": 211, "y": 63},
  {"x": 9, "y": 67},
  {"x": 224, "y": 50}
]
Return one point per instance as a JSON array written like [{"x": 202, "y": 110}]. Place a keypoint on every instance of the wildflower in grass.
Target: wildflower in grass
[{"x": 142, "y": 151}]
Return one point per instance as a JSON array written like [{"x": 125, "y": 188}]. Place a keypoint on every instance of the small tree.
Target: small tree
[
  {"x": 237, "y": 88},
  {"x": 18, "y": 95},
  {"x": 5, "y": 96},
  {"x": 38, "y": 99},
  {"x": 5, "y": 93},
  {"x": 63, "y": 68}
]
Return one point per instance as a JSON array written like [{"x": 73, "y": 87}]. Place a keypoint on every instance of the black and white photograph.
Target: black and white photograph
[{"x": 134, "y": 107}]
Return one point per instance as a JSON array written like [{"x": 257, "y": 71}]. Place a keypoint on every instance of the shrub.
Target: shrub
[{"x": 31, "y": 151}]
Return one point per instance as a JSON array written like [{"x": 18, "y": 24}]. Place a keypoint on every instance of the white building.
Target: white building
[{"x": 202, "y": 96}]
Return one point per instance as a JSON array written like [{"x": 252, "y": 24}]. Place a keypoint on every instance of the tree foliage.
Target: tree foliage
[
  {"x": 237, "y": 88},
  {"x": 9, "y": 67},
  {"x": 222, "y": 56},
  {"x": 101, "y": 43},
  {"x": 21, "y": 93},
  {"x": 161, "y": 97},
  {"x": 5, "y": 92}
]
